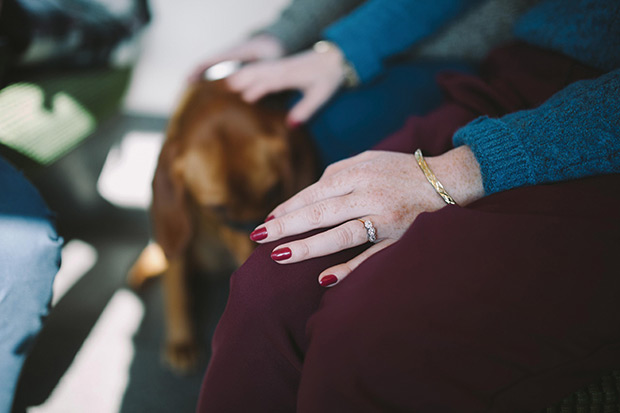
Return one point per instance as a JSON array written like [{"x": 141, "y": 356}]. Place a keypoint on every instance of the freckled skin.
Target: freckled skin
[{"x": 388, "y": 188}]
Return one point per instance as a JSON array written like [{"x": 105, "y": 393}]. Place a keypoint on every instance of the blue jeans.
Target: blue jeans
[
  {"x": 29, "y": 260},
  {"x": 355, "y": 120}
]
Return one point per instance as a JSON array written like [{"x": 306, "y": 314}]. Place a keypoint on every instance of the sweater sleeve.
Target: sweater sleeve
[
  {"x": 379, "y": 29},
  {"x": 575, "y": 134},
  {"x": 301, "y": 22}
]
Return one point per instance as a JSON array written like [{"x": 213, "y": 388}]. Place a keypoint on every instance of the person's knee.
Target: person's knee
[
  {"x": 31, "y": 246},
  {"x": 394, "y": 333},
  {"x": 30, "y": 256},
  {"x": 367, "y": 357},
  {"x": 263, "y": 287},
  {"x": 29, "y": 260},
  {"x": 29, "y": 243}
]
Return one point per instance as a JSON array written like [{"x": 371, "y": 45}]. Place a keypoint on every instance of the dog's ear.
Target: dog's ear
[
  {"x": 169, "y": 209},
  {"x": 302, "y": 167}
]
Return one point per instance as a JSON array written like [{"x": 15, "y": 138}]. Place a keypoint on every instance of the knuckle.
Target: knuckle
[
  {"x": 348, "y": 267},
  {"x": 329, "y": 169},
  {"x": 344, "y": 237},
  {"x": 308, "y": 196},
  {"x": 316, "y": 214},
  {"x": 278, "y": 228},
  {"x": 302, "y": 251}
]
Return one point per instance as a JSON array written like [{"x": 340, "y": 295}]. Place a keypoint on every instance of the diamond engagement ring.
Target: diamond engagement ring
[{"x": 371, "y": 232}]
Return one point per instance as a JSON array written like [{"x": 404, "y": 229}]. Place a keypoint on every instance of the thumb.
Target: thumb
[{"x": 337, "y": 273}]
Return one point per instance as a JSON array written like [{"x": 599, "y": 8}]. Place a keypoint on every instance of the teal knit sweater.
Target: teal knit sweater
[
  {"x": 575, "y": 134},
  {"x": 380, "y": 29}
]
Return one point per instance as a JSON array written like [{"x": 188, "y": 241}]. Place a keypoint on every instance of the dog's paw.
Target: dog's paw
[{"x": 182, "y": 357}]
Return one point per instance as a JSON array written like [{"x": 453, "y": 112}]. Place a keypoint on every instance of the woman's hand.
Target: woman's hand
[
  {"x": 387, "y": 188},
  {"x": 259, "y": 47},
  {"x": 316, "y": 75}
]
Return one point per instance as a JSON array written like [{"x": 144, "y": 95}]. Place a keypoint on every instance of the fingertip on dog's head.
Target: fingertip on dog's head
[{"x": 236, "y": 155}]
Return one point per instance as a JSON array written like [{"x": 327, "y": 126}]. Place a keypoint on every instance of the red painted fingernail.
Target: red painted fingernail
[
  {"x": 328, "y": 280},
  {"x": 258, "y": 234},
  {"x": 281, "y": 254},
  {"x": 293, "y": 124},
  {"x": 269, "y": 218}
]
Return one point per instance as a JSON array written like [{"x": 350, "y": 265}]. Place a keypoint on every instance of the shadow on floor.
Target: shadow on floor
[
  {"x": 118, "y": 235},
  {"x": 71, "y": 321},
  {"x": 153, "y": 387}
]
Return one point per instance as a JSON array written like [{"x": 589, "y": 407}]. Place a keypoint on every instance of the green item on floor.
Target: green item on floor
[{"x": 44, "y": 118}]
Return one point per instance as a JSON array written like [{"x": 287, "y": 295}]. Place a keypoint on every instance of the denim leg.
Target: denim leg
[{"x": 29, "y": 260}]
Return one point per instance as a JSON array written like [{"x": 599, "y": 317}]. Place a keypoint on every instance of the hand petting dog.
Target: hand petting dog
[
  {"x": 316, "y": 75},
  {"x": 224, "y": 164}
]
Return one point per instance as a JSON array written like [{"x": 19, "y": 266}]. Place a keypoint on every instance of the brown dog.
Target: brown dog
[{"x": 223, "y": 166}]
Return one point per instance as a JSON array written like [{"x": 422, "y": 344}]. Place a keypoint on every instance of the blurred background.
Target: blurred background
[
  {"x": 86, "y": 91},
  {"x": 88, "y": 135}
]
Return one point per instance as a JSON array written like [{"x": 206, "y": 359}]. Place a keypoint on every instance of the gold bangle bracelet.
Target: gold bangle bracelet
[{"x": 432, "y": 179}]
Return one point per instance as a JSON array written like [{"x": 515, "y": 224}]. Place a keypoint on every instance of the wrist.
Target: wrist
[
  {"x": 459, "y": 172},
  {"x": 347, "y": 71}
]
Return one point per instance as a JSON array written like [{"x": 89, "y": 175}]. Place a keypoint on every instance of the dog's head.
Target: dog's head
[{"x": 228, "y": 159}]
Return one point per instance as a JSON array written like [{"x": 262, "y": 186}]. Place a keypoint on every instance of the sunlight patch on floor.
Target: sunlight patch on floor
[
  {"x": 78, "y": 257},
  {"x": 96, "y": 380},
  {"x": 125, "y": 179}
]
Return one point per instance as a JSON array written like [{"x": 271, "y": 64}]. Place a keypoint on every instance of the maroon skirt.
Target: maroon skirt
[{"x": 505, "y": 305}]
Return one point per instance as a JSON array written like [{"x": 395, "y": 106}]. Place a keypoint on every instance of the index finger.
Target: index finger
[
  {"x": 323, "y": 189},
  {"x": 322, "y": 214}
]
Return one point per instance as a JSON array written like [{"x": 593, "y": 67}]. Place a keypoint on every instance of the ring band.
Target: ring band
[{"x": 371, "y": 232}]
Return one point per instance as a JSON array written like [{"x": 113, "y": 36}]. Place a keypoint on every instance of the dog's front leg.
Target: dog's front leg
[{"x": 181, "y": 351}]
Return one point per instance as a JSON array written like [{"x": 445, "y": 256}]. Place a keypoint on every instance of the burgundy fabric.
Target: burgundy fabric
[{"x": 506, "y": 305}]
